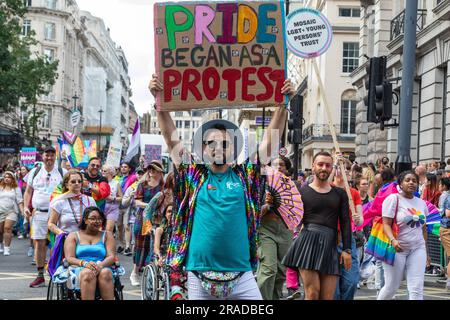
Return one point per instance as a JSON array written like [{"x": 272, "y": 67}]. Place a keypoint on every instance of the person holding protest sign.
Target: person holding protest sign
[{"x": 220, "y": 194}]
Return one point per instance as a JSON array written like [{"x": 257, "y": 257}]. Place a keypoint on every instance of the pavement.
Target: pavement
[{"x": 16, "y": 273}]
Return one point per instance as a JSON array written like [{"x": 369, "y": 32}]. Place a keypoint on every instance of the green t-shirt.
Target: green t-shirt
[{"x": 219, "y": 239}]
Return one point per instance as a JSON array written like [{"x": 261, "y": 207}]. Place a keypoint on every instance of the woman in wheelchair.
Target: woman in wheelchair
[{"x": 92, "y": 252}]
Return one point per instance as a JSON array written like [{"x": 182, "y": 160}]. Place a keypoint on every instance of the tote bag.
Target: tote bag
[{"x": 378, "y": 244}]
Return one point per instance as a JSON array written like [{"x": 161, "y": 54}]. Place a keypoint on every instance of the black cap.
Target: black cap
[{"x": 49, "y": 149}]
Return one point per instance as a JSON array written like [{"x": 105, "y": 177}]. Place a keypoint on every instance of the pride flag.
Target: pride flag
[{"x": 78, "y": 151}]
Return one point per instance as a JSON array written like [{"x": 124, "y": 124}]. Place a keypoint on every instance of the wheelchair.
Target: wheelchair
[
  {"x": 61, "y": 291},
  {"x": 155, "y": 282}
]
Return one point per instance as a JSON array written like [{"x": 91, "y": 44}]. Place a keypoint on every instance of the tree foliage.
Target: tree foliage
[{"x": 24, "y": 75}]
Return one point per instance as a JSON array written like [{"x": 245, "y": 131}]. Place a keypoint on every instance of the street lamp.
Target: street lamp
[
  {"x": 75, "y": 98},
  {"x": 100, "y": 131}
]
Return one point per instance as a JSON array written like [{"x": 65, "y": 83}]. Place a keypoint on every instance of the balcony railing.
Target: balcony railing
[
  {"x": 322, "y": 132},
  {"x": 398, "y": 23}
]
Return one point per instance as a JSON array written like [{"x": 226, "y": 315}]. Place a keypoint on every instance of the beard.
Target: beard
[{"x": 318, "y": 175}]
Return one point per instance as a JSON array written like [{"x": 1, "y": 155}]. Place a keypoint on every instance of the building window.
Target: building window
[
  {"x": 197, "y": 113},
  {"x": 27, "y": 3},
  {"x": 179, "y": 114},
  {"x": 26, "y": 28},
  {"x": 51, "y": 4},
  {"x": 49, "y": 54},
  {"x": 349, "y": 12},
  {"x": 350, "y": 57},
  {"x": 47, "y": 118},
  {"x": 179, "y": 124},
  {"x": 50, "y": 31},
  {"x": 187, "y": 124},
  {"x": 348, "y": 116}
]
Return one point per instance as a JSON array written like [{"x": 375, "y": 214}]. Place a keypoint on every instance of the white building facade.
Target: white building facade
[
  {"x": 91, "y": 67},
  {"x": 335, "y": 67},
  {"x": 382, "y": 33}
]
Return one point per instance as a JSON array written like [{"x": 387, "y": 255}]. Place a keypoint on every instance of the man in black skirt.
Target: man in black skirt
[{"x": 314, "y": 252}]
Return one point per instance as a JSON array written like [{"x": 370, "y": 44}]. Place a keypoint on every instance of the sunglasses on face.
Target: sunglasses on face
[
  {"x": 75, "y": 181},
  {"x": 212, "y": 144},
  {"x": 94, "y": 165},
  {"x": 95, "y": 219}
]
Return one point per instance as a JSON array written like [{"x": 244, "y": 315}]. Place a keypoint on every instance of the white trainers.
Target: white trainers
[
  {"x": 1, "y": 248},
  {"x": 7, "y": 251},
  {"x": 134, "y": 278}
]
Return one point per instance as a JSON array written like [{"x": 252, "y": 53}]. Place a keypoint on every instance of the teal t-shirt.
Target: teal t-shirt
[{"x": 219, "y": 239}]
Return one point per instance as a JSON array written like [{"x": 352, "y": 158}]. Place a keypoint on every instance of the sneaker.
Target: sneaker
[
  {"x": 33, "y": 263},
  {"x": 7, "y": 251},
  {"x": 127, "y": 252},
  {"x": 176, "y": 296},
  {"x": 120, "y": 249},
  {"x": 30, "y": 251},
  {"x": 38, "y": 282},
  {"x": 293, "y": 294},
  {"x": 134, "y": 278},
  {"x": 20, "y": 236},
  {"x": 1, "y": 248}
]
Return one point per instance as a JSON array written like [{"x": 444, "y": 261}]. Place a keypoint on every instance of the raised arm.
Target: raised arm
[
  {"x": 277, "y": 124},
  {"x": 166, "y": 124}
]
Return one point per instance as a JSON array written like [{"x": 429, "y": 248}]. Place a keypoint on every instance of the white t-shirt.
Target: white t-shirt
[
  {"x": 410, "y": 214},
  {"x": 113, "y": 185},
  {"x": 43, "y": 185},
  {"x": 9, "y": 200},
  {"x": 67, "y": 221}
]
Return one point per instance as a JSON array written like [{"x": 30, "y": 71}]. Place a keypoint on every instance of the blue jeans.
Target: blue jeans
[
  {"x": 19, "y": 225},
  {"x": 348, "y": 281}
]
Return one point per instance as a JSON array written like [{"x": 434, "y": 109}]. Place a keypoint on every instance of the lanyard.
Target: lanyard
[{"x": 73, "y": 210}]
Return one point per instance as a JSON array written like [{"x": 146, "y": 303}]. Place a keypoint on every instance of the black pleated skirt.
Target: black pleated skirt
[{"x": 314, "y": 249}]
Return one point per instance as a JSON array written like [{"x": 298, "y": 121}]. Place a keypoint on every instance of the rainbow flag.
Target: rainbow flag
[
  {"x": 433, "y": 219},
  {"x": 126, "y": 182},
  {"x": 379, "y": 245},
  {"x": 78, "y": 151},
  {"x": 373, "y": 208}
]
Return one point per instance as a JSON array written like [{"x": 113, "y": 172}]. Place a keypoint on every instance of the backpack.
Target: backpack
[{"x": 39, "y": 169}]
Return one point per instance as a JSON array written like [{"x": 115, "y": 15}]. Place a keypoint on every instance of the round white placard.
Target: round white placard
[{"x": 308, "y": 33}]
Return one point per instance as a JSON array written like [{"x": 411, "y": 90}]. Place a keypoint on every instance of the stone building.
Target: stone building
[
  {"x": 335, "y": 67},
  {"x": 382, "y": 33},
  {"x": 91, "y": 67}
]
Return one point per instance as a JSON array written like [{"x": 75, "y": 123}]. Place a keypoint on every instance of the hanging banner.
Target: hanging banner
[
  {"x": 114, "y": 156},
  {"x": 211, "y": 54},
  {"x": 28, "y": 157},
  {"x": 152, "y": 152},
  {"x": 308, "y": 33}
]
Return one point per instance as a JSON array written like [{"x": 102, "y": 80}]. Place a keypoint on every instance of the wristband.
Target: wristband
[{"x": 82, "y": 263}]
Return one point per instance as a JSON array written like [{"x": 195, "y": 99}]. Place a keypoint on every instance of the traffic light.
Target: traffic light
[
  {"x": 376, "y": 71},
  {"x": 295, "y": 120},
  {"x": 383, "y": 102}
]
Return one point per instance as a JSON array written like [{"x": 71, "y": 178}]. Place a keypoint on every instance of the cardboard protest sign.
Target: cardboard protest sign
[
  {"x": 308, "y": 33},
  {"x": 28, "y": 156},
  {"x": 152, "y": 152},
  {"x": 114, "y": 156},
  {"x": 211, "y": 54}
]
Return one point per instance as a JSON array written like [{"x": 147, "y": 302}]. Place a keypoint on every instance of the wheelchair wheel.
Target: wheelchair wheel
[
  {"x": 149, "y": 283},
  {"x": 166, "y": 284},
  {"x": 57, "y": 291},
  {"x": 118, "y": 289}
]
